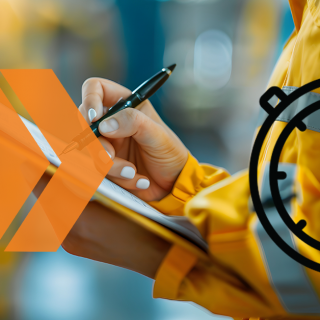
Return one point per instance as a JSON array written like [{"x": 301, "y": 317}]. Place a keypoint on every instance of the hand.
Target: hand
[
  {"x": 103, "y": 235},
  {"x": 147, "y": 155}
]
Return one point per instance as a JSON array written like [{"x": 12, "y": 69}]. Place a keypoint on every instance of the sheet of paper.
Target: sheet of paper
[{"x": 180, "y": 225}]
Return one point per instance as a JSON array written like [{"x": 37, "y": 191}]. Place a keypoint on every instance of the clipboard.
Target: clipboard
[{"x": 145, "y": 222}]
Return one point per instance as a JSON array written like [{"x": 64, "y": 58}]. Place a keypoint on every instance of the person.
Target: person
[{"x": 247, "y": 276}]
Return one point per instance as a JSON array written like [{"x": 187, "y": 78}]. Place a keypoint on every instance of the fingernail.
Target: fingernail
[
  {"x": 127, "y": 172},
  {"x": 143, "y": 184},
  {"x": 92, "y": 114},
  {"x": 108, "y": 125},
  {"x": 109, "y": 154}
]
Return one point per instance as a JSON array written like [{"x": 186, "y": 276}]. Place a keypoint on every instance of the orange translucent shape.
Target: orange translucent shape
[
  {"x": 77, "y": 178},
  {"x": 22, "y": 163}
]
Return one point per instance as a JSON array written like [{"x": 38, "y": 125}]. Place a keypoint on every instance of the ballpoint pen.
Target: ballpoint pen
[{"x": 142, "y": 93}]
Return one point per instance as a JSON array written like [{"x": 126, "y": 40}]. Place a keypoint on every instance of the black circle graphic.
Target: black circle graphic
[{"x": 296, "y": 122}]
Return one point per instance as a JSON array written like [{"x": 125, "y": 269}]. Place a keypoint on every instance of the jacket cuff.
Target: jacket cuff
[
  {"x": 173, "y": 269},
  {"x": 185, "y": 187}
]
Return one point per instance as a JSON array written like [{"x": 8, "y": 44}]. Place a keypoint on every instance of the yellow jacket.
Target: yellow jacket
[{"x": 248, "y": 276}]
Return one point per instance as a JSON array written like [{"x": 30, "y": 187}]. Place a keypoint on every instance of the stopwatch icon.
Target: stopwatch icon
[{"x": 275, "y": 172}]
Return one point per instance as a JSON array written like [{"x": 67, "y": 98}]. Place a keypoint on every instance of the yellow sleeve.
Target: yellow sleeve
[
  {"x": 234, "y": 281},
  {"x": 192, "y": 179},
  {"x": 248, "y": 275}
]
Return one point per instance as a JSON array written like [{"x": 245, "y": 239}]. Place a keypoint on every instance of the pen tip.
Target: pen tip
[{"x": 171, "y": 68}]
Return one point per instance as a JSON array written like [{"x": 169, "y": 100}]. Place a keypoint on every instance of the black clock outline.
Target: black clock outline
[{"x": 275, "y": 175}]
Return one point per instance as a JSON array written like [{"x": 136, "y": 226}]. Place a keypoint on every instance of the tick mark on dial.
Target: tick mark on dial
[
  {"x": 301, "y": 126},
  {"x": 301, "y": 224},
  {"x": 281, "y": 175}
]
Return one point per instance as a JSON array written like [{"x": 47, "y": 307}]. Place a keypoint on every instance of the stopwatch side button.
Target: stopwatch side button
[
  {"x": 281, "y": 175},
  {"x": 265, "y": 98}
]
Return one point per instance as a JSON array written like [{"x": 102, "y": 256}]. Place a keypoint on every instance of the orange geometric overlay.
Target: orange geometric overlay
[{"x": 22, "y": 162}]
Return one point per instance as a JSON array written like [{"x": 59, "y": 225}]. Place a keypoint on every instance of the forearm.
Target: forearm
[{"x": 106, "y": 236}]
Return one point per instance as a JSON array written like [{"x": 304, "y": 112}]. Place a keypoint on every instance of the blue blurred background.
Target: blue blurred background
[{"x": 225, "y": 52}]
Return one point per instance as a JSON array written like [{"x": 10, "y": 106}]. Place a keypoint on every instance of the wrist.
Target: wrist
[{"x": 185, "y": 187}]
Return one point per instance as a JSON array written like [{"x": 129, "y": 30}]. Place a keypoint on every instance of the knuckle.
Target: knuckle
[
  {"x": 88, "y": 81},
  {"x": 91, "y": 96},
  {"x": 134, "y": 115},
  {"x": 92, "y": 90}
]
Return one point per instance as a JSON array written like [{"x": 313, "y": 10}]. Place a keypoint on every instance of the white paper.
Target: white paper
[{"x": 180, "y": 225}]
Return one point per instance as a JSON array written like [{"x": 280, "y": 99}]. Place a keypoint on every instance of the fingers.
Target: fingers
[
  {"x": 97, "y": 93},
  {"x": 122, "y": 169},
  {"x": 138, "y": 183},
  {"x": 133, "y": 123},
  {"x": 124, "y": 173},
  {"x": 108, "y": 147}
]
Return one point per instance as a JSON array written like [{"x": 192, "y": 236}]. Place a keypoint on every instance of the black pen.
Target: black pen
[{"x": 142, "y": 93}]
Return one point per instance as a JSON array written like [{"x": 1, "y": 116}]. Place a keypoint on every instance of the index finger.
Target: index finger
[{"x": 98, "y": 92}]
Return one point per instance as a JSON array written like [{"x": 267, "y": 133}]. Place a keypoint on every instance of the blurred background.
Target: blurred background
[{"x": 225, "y": 52}]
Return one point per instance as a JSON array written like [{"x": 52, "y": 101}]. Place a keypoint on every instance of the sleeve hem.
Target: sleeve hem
[
  {"x": 185, "y": 187},
  {"x": 173, "y": 269}
]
